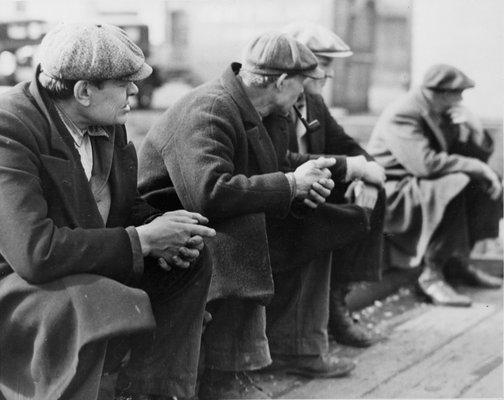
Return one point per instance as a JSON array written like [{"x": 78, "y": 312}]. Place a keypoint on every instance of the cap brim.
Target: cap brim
[
  {"x": 316, "y": 73},
  {"x": 334, "y": 54},
  {"x": 144, "y": 72}
]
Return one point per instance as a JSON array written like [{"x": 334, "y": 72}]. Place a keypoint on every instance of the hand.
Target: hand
[
  {"x": 374, "y": 173},
  {"x": 319, "y": 192},
  {"x": 460, "y": 114},
  {"x": 362, "y": 194},
  {"x": 176, "y": 242},
  {"x": 310, "y": 172},
  {"x": 494, "y": 188}
]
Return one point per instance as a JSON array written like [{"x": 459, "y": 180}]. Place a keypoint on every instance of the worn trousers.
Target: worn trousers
[
  {"x": 298, "y": 315},
  {"x": 165, "y": 362},
  {"x": 235, "y": 339},
  {"x": 469, "y": 217}
]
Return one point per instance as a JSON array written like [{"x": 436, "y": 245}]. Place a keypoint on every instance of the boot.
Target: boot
[
  {"x": 341, "y": 325},
  {"x": 221, "y": 385},
  {"x": 433, "y": 285},
  {"x": 313, "y": 366}
]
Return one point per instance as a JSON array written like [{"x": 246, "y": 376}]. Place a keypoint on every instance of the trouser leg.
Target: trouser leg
[
  {"x": 298, "y": 314},
  {"x": 235, "y": 339},
  {"x": 165, "y": 362},
  {"x": 87, "y": 379},
  {"x": 451, "y": 238}
]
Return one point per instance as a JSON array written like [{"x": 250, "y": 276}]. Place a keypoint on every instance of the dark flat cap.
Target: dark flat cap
[
  {"x": 276, "y": 53},
  {"x": 320, "y": 40},
  {"x": 91, "y": 52},
  {"x": 444, "y": 77}
]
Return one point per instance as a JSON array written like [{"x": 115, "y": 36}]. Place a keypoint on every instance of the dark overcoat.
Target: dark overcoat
[
  {"x": 62, "y": 272},
  {"x": 355, "y": 231},
  {"x": 213, "y": 150},
  {"x": 427, "y": 165}
]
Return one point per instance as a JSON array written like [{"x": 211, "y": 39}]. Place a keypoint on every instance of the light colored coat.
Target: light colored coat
[{"x": 426, "y": 166}]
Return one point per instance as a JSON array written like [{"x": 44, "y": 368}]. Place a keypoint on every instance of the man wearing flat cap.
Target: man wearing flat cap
[
  {"x": 215, "y": 149},
  {"x": 442, "y": 197},
  {"x": 74, "y": 234},
  {"x": 307, "y": 298}
]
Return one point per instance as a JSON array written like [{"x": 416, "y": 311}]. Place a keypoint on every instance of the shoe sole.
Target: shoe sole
[{"x": 314, "y": 375}]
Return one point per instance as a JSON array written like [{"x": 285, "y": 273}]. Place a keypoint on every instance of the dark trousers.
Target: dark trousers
[
  {"x": 165, "y": 362},
  {"x": 298, "y": 315},
  {"x": 469, "y": 217},
  {"x": 235, "y": 339}
]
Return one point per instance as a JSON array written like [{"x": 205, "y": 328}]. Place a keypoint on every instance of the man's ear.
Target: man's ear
[
  {"x": 82, "y": 93},
  {"x": 280, "y": 81}
]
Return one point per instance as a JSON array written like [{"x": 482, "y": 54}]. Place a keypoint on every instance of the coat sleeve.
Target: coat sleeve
[
  {"x": 30, "y": 242},
  {"x": 202, "y": 161},
  {"x": 406, "y": 139}
]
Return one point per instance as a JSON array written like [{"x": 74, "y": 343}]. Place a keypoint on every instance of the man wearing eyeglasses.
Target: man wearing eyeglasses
[{"x": 295, "y": 326}]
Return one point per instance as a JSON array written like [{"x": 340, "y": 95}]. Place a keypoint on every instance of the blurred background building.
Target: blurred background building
[{"x": 394, "y": 41}]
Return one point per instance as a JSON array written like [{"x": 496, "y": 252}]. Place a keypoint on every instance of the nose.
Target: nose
[{"x": 132, "y": 89}]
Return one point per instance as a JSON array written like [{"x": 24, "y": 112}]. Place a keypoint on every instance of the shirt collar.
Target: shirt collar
[{"x": 77, "y": 133}]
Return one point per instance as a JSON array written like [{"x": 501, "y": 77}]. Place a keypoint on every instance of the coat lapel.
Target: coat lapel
[
  {"x": 257, "y": 135},
  {"x": 316, "y": 139},
  {"x": 430, "y": 120},
  {"x": 64, "y": 167}
]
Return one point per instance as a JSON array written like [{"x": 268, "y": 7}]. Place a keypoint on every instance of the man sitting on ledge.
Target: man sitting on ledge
[{"x": 441, "y": 194}]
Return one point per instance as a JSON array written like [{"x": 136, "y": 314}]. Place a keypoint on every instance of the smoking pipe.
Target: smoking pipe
[{"x": 310, "y": 126}]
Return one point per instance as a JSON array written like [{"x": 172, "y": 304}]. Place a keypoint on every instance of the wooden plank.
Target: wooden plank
[
  {"x": 489, "y": 386},
  {"x": 410, "y": 342},
  {"x": 453, "y": 368}
]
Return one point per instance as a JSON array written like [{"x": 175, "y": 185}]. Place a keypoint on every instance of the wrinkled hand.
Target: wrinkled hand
[
  {"x": 175, "y": 237},
  {"x": 311, "y": 172},
  {"x": 319, "y": 192},
  {"x": 494, "y": 188},
  {"x": 374, "y": 173},
  {"x": 362, "y": 194}
]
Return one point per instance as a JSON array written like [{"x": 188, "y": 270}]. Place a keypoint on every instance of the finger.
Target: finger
[
  {"x": 310, "y": 203},
  {"x": 323, "y": 162},
  {"x": 321, "y": 189},
  {"x": 188, "y": 254},
  {"x": 178, "y": 262},
  {"x": 200, "y": 218},
  {"x": 184, "y": 219},
  {"x": 315, "y": 197},
  {"x": 163, "y": 264},
  {"x": 184, "y": 214},
  {"x": 195, "y": 242},
  {"x": 327, "y": 183},
  {"x": 201, "y": 230},
  {"x": 326, "y": 173}
]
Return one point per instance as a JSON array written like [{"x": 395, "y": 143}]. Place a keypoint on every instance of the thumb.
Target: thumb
[{"x": 323, "y": 162}]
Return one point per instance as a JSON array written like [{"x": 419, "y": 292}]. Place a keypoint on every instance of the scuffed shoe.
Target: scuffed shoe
[
  {"x": 341, "y": 325},
  {"x": 320, "y": 366},
  {"x": 432, "y": 284},
  {"x": 221, "y": 385}
]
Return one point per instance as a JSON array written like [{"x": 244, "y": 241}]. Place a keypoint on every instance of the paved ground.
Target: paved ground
[{"x": 430, "y": 352}]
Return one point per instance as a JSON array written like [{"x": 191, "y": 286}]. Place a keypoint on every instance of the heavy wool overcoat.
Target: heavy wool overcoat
[
  {"x": 352, "y": 225},
  {"x": 62, "y": 272},
  {"x": 213, "y": 150},
  {"x": 427, "y": 162}
]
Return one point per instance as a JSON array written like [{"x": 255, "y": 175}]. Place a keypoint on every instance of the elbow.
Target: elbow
[{"x": 34, "y": 271}]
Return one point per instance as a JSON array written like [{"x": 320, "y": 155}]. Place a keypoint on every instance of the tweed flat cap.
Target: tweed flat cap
[
  {"x": 276, "y": 53},
  {"x": 84, "y": 51},
  {"x": 444, "y": 77},
  {"x": 320, "y": 40}
]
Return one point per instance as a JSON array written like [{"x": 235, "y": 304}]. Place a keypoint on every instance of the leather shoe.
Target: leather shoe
[
  {"x": 432, "y": 284},
  {"x": 477, "y": 277},
  {"x": 217, "y": 385},
  {"x": 341, "y": 325},
  {"x": 320, "y": 366}
]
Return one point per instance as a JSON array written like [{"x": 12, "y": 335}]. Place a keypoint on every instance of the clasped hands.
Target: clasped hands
[{"x": 175, "y": 238}]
